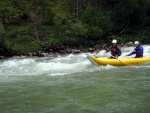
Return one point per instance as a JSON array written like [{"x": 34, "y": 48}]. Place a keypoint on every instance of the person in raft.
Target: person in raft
[
  {"x": 115, "y": 49},
  {"x": 138, "y": 50}
]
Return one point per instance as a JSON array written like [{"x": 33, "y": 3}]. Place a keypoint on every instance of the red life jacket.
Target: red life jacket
[{"x": 114, "y": 51}]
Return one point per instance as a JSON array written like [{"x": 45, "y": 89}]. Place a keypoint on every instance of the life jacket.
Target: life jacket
[
  {"x": 114, "y": 50},
  {"x": 139, "y": 51}
]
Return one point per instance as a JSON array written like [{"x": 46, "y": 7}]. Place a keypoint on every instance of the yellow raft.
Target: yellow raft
[{"x": 117, "y": 62}]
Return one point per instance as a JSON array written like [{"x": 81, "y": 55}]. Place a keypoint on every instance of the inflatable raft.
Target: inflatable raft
[{"x": 117, "y": 62}]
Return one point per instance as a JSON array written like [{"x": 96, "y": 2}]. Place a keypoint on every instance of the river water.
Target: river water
[{"x": 71, "y": 84}]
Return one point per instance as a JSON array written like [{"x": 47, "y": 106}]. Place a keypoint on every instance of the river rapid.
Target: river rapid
[{"x": 71, "y": 84}]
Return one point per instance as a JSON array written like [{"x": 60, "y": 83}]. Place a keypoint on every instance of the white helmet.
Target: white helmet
[
  {"x": 136, "y": 42},
  {"x": 114, "y": 41}
]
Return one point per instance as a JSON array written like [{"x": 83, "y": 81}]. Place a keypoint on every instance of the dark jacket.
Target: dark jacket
[
  {"x": 115, "y": 50},
  {"x": 138, "y": 52}
]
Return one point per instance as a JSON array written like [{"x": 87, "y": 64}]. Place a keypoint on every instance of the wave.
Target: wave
[{"x": 61, "y": 65}]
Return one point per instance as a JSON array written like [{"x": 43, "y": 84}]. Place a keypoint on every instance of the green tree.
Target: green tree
[{"x": 2, "y": 31}]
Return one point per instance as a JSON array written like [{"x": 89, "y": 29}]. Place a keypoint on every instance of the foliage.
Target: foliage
[
  {"x": 72, "y": 22},
  {"x": 78, "y": 29},
  {"x": 2, "y": 31},
  {"x": 23, "y": 45},
  {"x": 96, "y": 20}
]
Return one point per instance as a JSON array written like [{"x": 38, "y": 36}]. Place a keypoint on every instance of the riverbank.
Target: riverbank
[{"x": 60, "y": 49}]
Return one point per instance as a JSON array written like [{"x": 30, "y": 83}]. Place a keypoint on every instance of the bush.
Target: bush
[{"x": 22, "y": 45}]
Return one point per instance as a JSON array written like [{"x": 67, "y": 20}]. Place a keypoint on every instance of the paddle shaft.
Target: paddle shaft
[{"x": 122, "y": 61}]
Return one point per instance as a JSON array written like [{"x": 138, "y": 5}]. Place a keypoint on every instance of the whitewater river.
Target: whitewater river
[{"x": 71, "y": 84}]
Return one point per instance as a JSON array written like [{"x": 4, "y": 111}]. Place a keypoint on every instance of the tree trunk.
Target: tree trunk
[
  {"x": 75, "y": 9},
  {"x": 97, "y": 3},
  {"x": 35, "y": 19},
  {"x": 121, "y": 30}
]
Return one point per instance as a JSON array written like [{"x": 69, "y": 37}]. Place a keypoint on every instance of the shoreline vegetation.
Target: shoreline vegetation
[
  {"x": 56, "y": 50},
  {"x": 45, "y": 28}
]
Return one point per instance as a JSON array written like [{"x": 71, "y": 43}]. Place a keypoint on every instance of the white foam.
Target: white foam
[{"x": 58, "y": 66}]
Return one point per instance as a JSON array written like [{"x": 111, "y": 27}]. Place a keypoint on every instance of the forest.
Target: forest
[{"x": 38, "y": 25}]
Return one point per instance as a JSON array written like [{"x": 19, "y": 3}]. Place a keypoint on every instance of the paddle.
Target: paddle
[{"x": 122, "y": 61}]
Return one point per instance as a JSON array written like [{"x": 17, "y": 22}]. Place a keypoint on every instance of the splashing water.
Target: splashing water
[
  {"x": 71, "y": 84},
  {"x": 61, "y": 65}
]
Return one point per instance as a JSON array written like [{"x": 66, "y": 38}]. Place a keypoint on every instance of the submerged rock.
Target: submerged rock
[
  {"x": 76, "y": 51},
  {"x": 91, "y": 50},
  {"x": 2, "y": 57},
  {"x": 129, "y": 44},
  {"x": 18, "y": 57}
]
